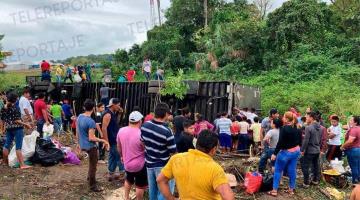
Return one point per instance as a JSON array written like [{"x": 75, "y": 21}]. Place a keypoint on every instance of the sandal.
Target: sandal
[
  {"x": 289, "y": 191},
  {"x": 25, "y": 167},
  {"x": 273, "y": 193}
]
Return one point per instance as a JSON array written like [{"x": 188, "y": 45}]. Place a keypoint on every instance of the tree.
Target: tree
[
  {"x": 121, "y": 56},
  {"x": 264, "y": 6},
  {"x": 206, "y": 12},
  {"x": 348, "y": 13}
]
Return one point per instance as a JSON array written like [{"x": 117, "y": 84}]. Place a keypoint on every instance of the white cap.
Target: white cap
[{"x": 135, "y": 116}]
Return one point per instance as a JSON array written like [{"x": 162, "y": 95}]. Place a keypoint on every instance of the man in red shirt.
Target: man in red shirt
[
  {"x": 41, "y": 114},
  {"x": 45, "y": 66},
  {"x": 130, "y": 75},
  {"x": 45, "y": 71}
]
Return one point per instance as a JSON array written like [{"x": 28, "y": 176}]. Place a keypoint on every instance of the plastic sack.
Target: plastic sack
[
  {"x": 48, "y": 130},
  {"x": 71, "y": 158},
  {"x": 267, "y": 183},
  {"x": 27, "y": 149},
  {"x": 46, "y": 153},
  {"x": 252, "y": 182},
  {"x": 337, "y": 165},
  {"x": 77, "y": 78}
]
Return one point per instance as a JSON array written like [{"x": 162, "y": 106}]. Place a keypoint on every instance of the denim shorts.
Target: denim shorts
[
  {"x": 18, "y": 135},
  {"x": 225, "y": 140}
]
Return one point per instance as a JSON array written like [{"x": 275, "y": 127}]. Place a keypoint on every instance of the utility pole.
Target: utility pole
[
  {"x": 206, "y": 12},
  {"x": 159, "y": 11}
]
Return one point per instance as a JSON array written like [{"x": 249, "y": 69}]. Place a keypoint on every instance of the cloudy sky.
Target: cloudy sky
[{"x": 57, "y": 29}]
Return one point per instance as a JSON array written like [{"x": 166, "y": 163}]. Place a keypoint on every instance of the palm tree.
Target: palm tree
[{"x": 159, "y": 15}]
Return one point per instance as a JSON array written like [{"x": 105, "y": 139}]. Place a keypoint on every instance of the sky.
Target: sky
[{"x": 58, "y": 29}]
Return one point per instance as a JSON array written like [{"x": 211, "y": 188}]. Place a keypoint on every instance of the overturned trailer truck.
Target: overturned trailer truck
[{"x": 207, "y": 98}]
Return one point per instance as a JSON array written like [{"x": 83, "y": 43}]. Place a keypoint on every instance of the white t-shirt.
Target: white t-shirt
[
  {"x": 337, "y": 139},
  {"x": 244, "y": 127},
  {"x": 223, "y": 124},
  {"x": 251, "y": 116},
  {"x": 147, "y": 66},
  {"x": 24, "y": 103}
]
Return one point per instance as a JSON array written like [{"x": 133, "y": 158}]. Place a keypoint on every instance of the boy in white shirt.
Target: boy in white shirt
[{"x": 334, "y": 143}]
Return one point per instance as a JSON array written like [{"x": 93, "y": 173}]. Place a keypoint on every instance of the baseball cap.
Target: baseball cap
[
  {"x": 135, "y": 116},
  {"x": 113, "y": 101}
]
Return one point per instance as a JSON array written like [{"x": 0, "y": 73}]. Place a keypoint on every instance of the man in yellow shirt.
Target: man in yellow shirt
[{"x": 196, "y": 174}]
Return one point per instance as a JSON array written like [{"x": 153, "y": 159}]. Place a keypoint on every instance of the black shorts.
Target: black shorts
[
  {"x": 234, "y": 137},
  {"x": 139, "y": 178}
]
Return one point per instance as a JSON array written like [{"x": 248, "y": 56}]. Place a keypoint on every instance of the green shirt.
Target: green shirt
[{"x": 56, "y": 111}]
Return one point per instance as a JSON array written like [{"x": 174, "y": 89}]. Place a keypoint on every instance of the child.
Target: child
[
  {"x": 256, "y": 128},
  {"x": 334, "y": 143},
  {"x": 100, "y": 108},
  {"x": 185, "y": 141},
  {"x": 57, "y": 114}
]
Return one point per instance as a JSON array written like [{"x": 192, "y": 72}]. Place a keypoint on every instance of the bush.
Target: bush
[{"x": 173, "y": 60}]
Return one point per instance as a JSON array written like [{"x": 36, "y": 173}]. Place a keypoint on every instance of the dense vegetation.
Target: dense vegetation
[{"x": 305, "y": 53}]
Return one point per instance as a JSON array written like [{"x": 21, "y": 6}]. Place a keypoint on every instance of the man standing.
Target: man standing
[
  {"x": 133, "y": 155},
  {"x": 68, "y": 113},
  {"x": 159, "y": 146},
  {"x": 266, "y": 122},
  {"x": 147, "y": 68},
  {"x": 41, "y": 114},
  {"x": 179, "y": 122},
  {"x": 223, "y": 125},
  {"x": 110, "y": 128},
  {"x": 45, "y": 71},
  {"x": 87, "y": 140},
  {"x": 310, "y": 150},
  {"x": 196, "y": 174},
  {"x": 104, "y": 94},
  {"x": 26, "y": 109}
]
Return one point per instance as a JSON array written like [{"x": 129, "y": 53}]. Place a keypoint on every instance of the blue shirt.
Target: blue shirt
[
  {"x": 159, "y": 143},
  {"x": 67, "y": 109},
  {"x": 83, "y": 125}
]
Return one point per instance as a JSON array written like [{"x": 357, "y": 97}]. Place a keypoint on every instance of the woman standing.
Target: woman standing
[
  {"x": 286, "y": 153},
  {"x": 201, "y": 124},
  {"x": 352, "y": 148},
  {"x": 14, "y": 127}
]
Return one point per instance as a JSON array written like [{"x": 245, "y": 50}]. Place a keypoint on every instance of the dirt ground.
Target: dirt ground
[{"x": 69, "y": 182}]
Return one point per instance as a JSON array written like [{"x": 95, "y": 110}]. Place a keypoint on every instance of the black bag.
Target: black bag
[
  {"x": 267, "y": 183},
  {"x": 46, "y": 153}
]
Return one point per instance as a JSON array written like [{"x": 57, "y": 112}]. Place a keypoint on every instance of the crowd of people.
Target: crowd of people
[
  {"x": 159, "y": 151},
  {"x": 83, "y": 73}
]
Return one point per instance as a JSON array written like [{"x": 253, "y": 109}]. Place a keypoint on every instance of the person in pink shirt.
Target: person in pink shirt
[
  {"x": 132, "y": 154},
  {"x": 201, "y": 124}
]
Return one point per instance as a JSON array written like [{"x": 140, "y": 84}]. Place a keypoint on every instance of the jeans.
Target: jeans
[
  {"x": 154, "y": 191},
  {"x": 265, "y": 156},
  {"x": 39, "y": 126},
  {"x": 18, "y": 135},
  {"x": 243, "y": 142},
  {"x": 68, "y": 77},
  {"x": 353, "y": 156},
  {"x": 114, "y": 160},
  {"x": 147, "y": 75},
  {"x": 307, "y": 161},
  {"x": 93, "y": 159},
  {"x": 57, "y": 124},
  {"x": 286, "y": 160},
  {"x": 58, "y": 79},
  {"x": 67, "y": 123}
]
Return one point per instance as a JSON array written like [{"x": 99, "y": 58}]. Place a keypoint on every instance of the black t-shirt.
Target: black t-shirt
[
  {"x": 97, "y": 117},
  {"x": 9, "y": 116},
  {"x": 179, "y": 126},
  {"x": 185, "y": 143},
  {"x": 289, "y": 137}
]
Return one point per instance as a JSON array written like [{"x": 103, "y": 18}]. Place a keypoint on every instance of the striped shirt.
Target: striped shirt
[
  {"x": 223, "y": 125},
  {"x": 159, "y": 143}
]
